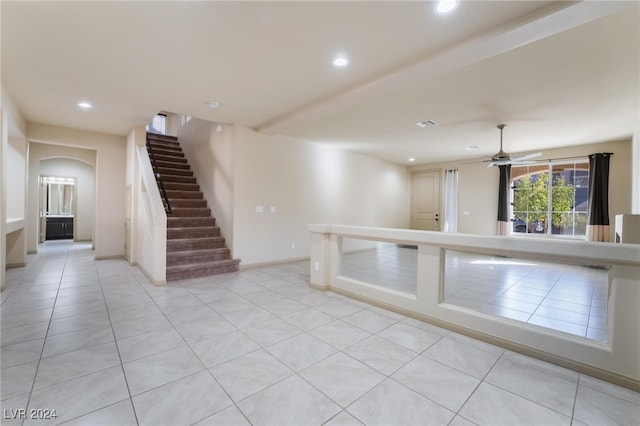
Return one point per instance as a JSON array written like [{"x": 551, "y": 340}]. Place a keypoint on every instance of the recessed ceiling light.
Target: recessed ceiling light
[
  {"x": 446, "y": 6},
  {"x": 472, "y": 147},
  {"x": 411, "y": 160},
  {"x": 213, "y": 104},
  {"x": 84, "y": 104},
  {"x": 426, "y": 123},
  {"x": 341, "y": 61}
]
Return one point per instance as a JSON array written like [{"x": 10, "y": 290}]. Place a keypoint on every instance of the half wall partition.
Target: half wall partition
[{"x": 503, "y": 290}]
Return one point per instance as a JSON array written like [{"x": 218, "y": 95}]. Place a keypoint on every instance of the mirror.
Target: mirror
[
  {"x": 60, "y": 199},
  {"x": 389, "y": 265}
]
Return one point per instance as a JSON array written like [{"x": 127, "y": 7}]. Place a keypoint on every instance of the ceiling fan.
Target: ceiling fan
[{"x": 501, "y": 158}]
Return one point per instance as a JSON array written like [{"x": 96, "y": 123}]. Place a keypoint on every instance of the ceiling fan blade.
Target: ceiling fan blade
[{"x": 526, "y": 157}]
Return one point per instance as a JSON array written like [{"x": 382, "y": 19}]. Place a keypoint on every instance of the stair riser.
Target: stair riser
[
  {"x": 194, "y": 244},
  {"x": 170, "y": 153},
  {"x": 194, "y": 273},
  {"x": 166, "y": 171},
  {"x": 159, "y": 136},
  {"x": 172, "y": 165},
  {"x": 189, "y": 222},
  {"x": 181, "y": 202},
  {"x": 182, "y": 186},
  {"x": 189, "y": 212},
  {"x": 168, "y": 149},
  {"x": 167, "y": 146},
  {"x": 160, "y": 157},
  {"x": 184, "y": 195},
  {"x": 166, "y": 141},
  {"x": 193, "y": 232},
  {"x": 180, "y": 179},
  {"x": 185, "y": 260}
]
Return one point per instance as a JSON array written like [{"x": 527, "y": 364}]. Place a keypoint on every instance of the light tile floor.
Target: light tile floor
[
  {"x": 567, "y": 298},
  {"x": 100, "y": 345}
]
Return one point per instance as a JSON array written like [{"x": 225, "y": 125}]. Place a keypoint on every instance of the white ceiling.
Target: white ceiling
[{"x": 558, "y": 73}]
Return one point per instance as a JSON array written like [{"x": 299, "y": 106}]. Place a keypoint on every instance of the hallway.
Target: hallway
[{"x": 99, "y": 344}]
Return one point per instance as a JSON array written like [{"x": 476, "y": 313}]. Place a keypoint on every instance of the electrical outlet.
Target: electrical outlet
[
  {"x": 293, "y": 246},
  {"x": 316, "y": 266},
  {"x": 259, "y": 209}
]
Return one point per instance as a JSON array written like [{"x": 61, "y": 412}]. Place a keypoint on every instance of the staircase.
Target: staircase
[{"x": 194, "y": 245}]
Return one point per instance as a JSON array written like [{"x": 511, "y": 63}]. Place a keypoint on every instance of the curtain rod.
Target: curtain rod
[{"x": 577, "y": 157}]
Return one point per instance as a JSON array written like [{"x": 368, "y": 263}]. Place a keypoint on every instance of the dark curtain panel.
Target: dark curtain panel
[
  {"x": 598, "y": 223},
  {"x": 504, "y": 222}
]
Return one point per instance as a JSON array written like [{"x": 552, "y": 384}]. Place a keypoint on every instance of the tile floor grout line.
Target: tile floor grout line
[
  {"x": 522, "y": 396},
  {"x": 115, "y": 341},
  {"x": 480, "y": 382},
  {"x": 294, "y": 373},
  {"x": 44, "y": 342},
  {"x": 206, "y": 368},
  {"x": 390, "y": 376},
  {"x": 575, "y": 398},
  {"x": 530, "y": 400},
  {"x": 423, "y": 396}
]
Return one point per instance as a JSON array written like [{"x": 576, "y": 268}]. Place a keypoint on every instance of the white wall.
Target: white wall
[
  {"x": 478, "y": 185},
  {"x": 172, "y": 123},
  {"x": 16, "y": 171},
  {"x": 635, "y": 179},
  {"x": 150, "y": 224},
  {"x": 3, "y": 197},
  {"x": 477, "y": 194},
  {"x": 210, "y": 155},
  {"x": 84, "y": 189},
  {"x": 110, "y": 175},
  {"x": 145, "y": 218},
  {"x": 13, "y": 153},
  {"x": 307, "y": 183},
  {"x": 137, "y": 136}
]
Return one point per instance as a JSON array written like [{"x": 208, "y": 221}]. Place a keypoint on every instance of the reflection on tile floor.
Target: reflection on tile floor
[
  {"x": 567, "y": 298},
  {"x": 388, "y": 265},
  {"x": 99, "y": 344}
]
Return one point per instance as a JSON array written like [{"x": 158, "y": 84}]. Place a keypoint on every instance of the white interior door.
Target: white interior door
[{"x": 425, "y": 201}]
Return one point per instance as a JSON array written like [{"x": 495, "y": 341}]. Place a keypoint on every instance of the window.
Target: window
[
  {"x": 550, "y": 199},
  {"x": 158, "y": 124}
]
